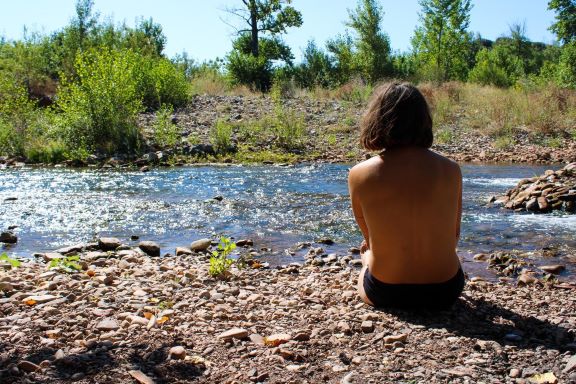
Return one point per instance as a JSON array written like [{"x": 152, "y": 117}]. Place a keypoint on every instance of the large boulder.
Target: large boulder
[{"x": 108, "y": 243}]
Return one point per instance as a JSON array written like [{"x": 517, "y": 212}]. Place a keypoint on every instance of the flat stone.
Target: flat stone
[
  {"x": 234, "y": 333},
  {"x": 393, "y": 338},
  {"x": 141, "y": 377},
  {"x": 108, "y": 243},
  {"x": 49, "y": 256},
  {"x": 28, "y": 366},
  {"x": 39, "y": 299},
  {"x": 554, "y": 269},
  {"x": 257, "y": 339},
  {"x": 151, "y": 248},
  {"x": 200, "y": 245},
  {"x": 571, "y": 365},
  {"x": 107, "y": 325},
  {"x": 277, "y": 339},
  {"x": 182, "y": 251}
]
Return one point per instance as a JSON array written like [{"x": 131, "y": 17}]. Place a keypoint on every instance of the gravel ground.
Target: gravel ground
[{"x": 131, "y": 318}]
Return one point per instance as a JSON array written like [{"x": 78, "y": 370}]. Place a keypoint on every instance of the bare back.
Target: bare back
[{"x": 407, "y": 202}]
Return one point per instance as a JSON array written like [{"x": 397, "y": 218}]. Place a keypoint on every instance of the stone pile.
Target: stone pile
[
  {"x": 555, "y": 190},
  {"x": 128, "y": 317}
]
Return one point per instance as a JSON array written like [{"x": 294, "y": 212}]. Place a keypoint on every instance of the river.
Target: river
[{"x": 275, "y": 206}]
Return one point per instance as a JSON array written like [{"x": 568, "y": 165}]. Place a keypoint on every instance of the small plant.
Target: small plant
[
  {"x": 444, "y": 136},
  {"x": 13, "y": 262},
  {"x": 220, "y": 136},
  {"x": 220, "y": 262},
  {"x": 288, "y": 128},
  {"x": 66, "y": 264},
  {"x": 166, "y": 133}
]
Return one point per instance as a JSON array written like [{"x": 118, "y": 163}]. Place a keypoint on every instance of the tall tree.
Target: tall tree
[
  {"x": 372, "y": 44},
  {"x": 271, "y": 17},
  {"x": 565, "y": 25},
  {"x": 442, "y": 43}
]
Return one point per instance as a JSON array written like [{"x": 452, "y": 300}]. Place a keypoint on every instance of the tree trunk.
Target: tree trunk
[{"x": 254, "y": 25}]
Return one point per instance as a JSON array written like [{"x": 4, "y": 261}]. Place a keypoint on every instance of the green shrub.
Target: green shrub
[
  {"x": 161, "y": 82},
  {"x": 245, "y": 69},
  {"x": 101, "y": 106},
  {"x": 220, "y": 262},
  {"x": 66, "y": 264},
  {"x": 166, "y": 133},
  {"x": 16, "y": 113},
  {"x": 288, "y": 127},
  {"x": 220, "y": 136}
]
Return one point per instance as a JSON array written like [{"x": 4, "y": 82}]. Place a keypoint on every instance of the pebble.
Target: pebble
[
  {"x": 108, "y": 243},
  {"x": 515, "y": 372},
  {"x": 177, "y": 353},
  {"x": 107, "y": 325},
  {"x": 234, "y": 333},
  {"x": 151, "y": 248},
  {"x": 28, "y": 366},
  {"x": 200, "y": 245},
  {"x": 367, "y": 326}
]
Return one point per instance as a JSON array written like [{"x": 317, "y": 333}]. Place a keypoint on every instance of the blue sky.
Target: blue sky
[{"x": 195, "y": 26}]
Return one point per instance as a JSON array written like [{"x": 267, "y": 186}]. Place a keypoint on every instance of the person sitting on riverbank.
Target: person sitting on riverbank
[{"x": 408, "y": 204}]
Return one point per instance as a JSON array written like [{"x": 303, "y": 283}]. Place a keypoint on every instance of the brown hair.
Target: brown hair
[{"x": 397, "y": 116}]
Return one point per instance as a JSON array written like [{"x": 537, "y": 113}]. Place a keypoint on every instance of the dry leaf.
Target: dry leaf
[
  {"x": 90, "y": 272},
  {"x": 148, "y": 315},
  {"x": 162, "y": 320},
  {"x": 543, "y": 378},
  {"x": 141, "y": 377},
  {"x": 30, "y": 302},
  {"x": 256, "y": 265}
]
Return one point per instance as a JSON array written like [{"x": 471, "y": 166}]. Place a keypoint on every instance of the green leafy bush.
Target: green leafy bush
[
  {"x": 288, "y": 126},
  {"x": 220, "y": 262},
  {"x": 101, "y": 106},
  {"x": 221, "y": 136},
  {"x": 166, "y": 133},
  {"x": 16, "y": 113},
  {"x": 256, "y": 72},
  {"x": 161, "y": 82}
]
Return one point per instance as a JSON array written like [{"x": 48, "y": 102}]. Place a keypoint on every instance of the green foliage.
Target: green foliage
[
  {"x": 566, "y": 69},
  {"x": 372, "y": 58},
  {"x": 220, "y": 262},
  {"x": 220, "y": 136},
  {"x": 16, "y": 115},
  {"x": 342, "y": 49},
  {"x": 13, "y": 262},
  {"x": 288, "y": 127},
  {"x": 101, "y": 107},
  {"x": 66, "y": 264},
  {"x": 160, "y": 82},
  {"x": 565, "y": 25},
  {"x": 496, "y": 67},
  {"x": 253, "y": 71},
  {"x": 166, "y": 133},
  {"x": 316, "y": 69},
  {"x": 442, "y": 43}
]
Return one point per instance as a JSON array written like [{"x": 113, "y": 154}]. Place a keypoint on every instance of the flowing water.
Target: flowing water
[{"x": 275, "y": 206}]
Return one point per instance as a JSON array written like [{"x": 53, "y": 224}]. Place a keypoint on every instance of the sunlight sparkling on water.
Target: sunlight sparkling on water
[{"x": 276, "y": 206}]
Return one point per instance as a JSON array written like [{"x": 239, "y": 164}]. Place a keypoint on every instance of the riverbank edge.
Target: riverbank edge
[{"x": 128, "y": 316}]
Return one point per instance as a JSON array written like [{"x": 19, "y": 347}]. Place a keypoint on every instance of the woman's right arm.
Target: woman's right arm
[{"x": 356, "y": 206}]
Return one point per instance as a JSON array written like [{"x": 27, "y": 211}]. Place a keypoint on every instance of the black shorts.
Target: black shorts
[{"x": 429, "y": 296}]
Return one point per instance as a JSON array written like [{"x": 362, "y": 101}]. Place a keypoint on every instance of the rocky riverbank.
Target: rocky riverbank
[
  {"x": 127, "y": 317},
  {"x": 330, "y": 134},
  {"x": 555, "y": 190}
]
